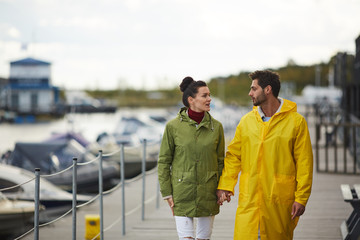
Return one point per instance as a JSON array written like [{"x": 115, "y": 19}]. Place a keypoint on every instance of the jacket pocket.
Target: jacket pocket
[
  {"x": 183, "y": 187},
  {"x": 283, "y": 189},
  {"x": 210, "y": 185}
]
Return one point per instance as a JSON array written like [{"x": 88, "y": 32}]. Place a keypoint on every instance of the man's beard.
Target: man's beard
[{"x": 259, "y": 100}]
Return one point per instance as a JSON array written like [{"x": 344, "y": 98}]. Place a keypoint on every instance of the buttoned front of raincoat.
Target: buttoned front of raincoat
[
  {"x": 190, "y": 163},
  {"x": 276, "y": 164}
]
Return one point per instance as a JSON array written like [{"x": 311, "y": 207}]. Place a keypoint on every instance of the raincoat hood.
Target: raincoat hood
[
  {"x": 206, "y": 122},
  {"x": 286, "y": 106}
]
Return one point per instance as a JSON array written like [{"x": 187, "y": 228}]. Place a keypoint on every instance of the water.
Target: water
[{"x": 89, "y": 125}]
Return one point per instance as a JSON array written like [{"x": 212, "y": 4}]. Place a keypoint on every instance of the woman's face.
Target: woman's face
[{"x": 201, "y": 102}]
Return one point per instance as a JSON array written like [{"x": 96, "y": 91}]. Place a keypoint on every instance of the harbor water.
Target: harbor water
[{"x": 89, "y": 125}]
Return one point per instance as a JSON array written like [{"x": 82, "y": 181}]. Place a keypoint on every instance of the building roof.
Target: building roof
[{"x": 29, "y": 61}]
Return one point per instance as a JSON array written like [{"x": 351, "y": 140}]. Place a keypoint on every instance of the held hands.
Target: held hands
[
  {"x": 297, "y": 210},
  {"x": 170, "y": 201},
  {"x": 223, "y": 195}
]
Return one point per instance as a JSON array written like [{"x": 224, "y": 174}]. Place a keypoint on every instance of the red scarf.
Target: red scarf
[{"x": 196, "y": 116}]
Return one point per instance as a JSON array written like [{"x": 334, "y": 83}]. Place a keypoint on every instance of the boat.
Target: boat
[
  {"x": 15, "y": 216},
  {"x": 133, "y": 155},
  {"x": 53, "y": 157},
  {"x": 107, "y": 143},
  {"x": 81, "y": 102},
  {"x": 61, "y": 137},
  {"x": 55, "y": 200},
  {"x": 131, "y": 131}
]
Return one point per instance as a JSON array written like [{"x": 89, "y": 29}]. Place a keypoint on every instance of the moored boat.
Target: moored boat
[
  {"x": 15, "y": 216},
  {"x": 55, "y": 200},
  {"x": 53, "y": 157}
]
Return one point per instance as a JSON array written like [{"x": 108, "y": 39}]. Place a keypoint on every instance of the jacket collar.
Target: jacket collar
[
  {"x": 285, "y": 106},
  {"x": 262, "y": 115},
  {"x": 206, "y": 122}
]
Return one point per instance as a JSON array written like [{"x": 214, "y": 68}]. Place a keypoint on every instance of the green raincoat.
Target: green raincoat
[
  {"x": 276, "y": 164},
  {"x": 190, "y": 163}
]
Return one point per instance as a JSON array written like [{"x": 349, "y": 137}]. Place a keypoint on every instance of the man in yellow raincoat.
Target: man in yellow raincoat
[{"x": 272, "y": 150}]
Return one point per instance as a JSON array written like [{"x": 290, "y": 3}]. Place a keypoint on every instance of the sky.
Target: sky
[{"x": 152, "y": 44}]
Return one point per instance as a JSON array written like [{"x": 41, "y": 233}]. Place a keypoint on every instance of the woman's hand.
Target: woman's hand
[
  {"x": 223, "y": 195},
  {"x": 170, "y": 201}
]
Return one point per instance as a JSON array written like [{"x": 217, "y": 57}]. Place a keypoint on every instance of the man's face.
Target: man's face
[{"x": 257, "y": 94}]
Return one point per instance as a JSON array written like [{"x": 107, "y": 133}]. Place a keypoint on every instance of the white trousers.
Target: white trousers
[{"x": 185, "y": 227}]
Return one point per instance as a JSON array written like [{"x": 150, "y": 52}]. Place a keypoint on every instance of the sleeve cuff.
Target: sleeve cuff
[{"x": 167, "y": 197}]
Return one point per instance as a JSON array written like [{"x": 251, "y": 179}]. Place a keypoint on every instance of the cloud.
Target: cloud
[
  {"x": 92, "y": 23},
  {"x": 9, "y": 31},
  {"x": 13, "y": 32},
  {"x": 96, "y": 43}
]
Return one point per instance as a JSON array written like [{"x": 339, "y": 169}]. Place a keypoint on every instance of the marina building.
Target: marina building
[{"x": 29, "y": 90}]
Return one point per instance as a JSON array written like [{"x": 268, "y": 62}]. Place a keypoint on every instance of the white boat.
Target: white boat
[
  {"x": 131, "y": 131},
  {"x": 15, "y": 216},
  {"x": 55, "y": 200}
]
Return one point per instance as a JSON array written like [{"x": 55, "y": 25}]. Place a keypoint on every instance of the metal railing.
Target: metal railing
[
  {"x": 337, "y": 139},
  {"x": 337, "y": 147},
  {"x": 122, "y": 182}
]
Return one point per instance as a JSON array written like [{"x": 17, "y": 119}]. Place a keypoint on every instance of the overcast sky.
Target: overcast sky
[{"x": 156, "y": 43}]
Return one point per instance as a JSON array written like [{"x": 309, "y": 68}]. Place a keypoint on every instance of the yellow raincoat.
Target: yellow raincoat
[{"x": 276, "y": 164}]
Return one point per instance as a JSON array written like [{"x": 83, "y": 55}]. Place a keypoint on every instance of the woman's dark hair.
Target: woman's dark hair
[
  {"x": 190, "y": 87},
  {"x": 266, "y": 78}
]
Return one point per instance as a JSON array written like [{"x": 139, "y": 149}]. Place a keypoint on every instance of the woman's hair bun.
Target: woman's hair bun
[{"x": 185, "y": 83}]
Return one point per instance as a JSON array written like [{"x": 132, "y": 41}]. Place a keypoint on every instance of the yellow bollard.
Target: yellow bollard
[{"x": 92, "y": 226}]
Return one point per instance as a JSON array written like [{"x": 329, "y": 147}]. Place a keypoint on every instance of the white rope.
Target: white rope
[
  {"x": 57, "y": 173},
  {"x": 112, "y": 153},
  {"x": 15, "y": 186},
  {"x": 86, "y": 163},
  {"x": 88, "y": 202}
]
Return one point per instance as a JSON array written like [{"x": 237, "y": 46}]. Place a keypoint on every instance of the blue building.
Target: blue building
[{"x": 29, "y": 89}]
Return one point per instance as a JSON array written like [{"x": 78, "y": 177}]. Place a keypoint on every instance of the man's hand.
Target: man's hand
[
  {"x": 297, "y": 210},
  {"x": 170, "y": 201},
  {"x": 223, "y": 195}
]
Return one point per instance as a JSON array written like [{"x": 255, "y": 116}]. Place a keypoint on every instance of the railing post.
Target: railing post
[
  {"x": 143, "y": 168},
  {"x": 122, "y": 176},
  {"x": 326, "y": 147},
  {"x": 37, "y": 203},
  {"x": 74, "y": 202},
  {"x": 345, "y": 143},
  {"x": 101, "y": 195},
  {"x": 158, "y": 186},
  {"x": 354, "y": 147},
  {"x": 336, "y": 128},
  {"x": 157, "y": 194},
  {"x": 317, "y": 139}
]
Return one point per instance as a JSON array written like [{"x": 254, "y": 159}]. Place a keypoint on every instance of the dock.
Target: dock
[{"x": 325, "y": 212}]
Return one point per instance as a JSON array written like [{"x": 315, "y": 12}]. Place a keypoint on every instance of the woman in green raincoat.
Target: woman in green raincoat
[{"x": 190, "y": 162}]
